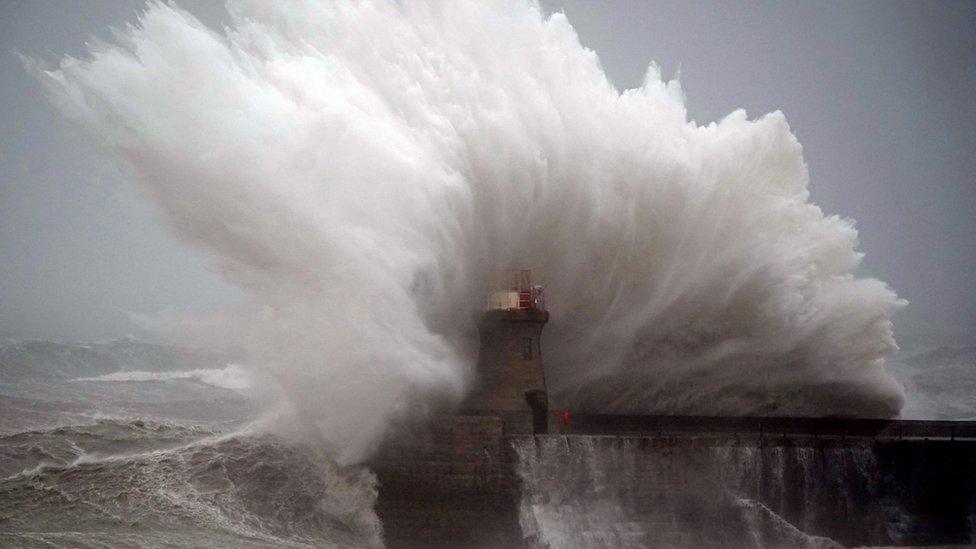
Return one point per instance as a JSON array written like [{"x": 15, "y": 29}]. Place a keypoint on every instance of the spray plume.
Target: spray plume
[{"x": 358, "y": 168}]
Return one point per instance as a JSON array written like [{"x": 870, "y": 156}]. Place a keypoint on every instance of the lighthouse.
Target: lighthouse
[
  {"x": 453, "y": 482},
  {"x": 511, "y": 381}
]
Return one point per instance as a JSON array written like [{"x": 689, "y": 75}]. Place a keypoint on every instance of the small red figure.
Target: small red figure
[{"x": 565, "y": 417}]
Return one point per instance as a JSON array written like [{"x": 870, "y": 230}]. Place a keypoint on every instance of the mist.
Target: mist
[{"x": 356, "y": 171}]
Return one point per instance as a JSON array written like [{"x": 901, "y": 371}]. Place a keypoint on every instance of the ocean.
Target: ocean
[{"x": 132, "y": 444}]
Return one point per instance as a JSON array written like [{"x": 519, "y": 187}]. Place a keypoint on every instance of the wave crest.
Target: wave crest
[{"x": 231, "y": 376}]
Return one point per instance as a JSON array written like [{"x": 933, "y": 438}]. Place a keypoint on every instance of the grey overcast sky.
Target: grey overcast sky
[{"x": 881, "y": 94}]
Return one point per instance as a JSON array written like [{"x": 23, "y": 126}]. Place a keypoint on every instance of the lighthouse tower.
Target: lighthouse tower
[
  {"x": 454, "y": 483},
  {"x": 511, "y": 382}
]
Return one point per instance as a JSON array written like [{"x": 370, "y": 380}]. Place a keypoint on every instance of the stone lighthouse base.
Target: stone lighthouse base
[{"x": 452, "y": 485}]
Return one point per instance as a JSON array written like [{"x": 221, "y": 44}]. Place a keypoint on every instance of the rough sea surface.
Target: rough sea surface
[{"x": 131, "y": 444}]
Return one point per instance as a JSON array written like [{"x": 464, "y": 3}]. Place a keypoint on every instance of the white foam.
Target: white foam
[{"x": 231, "y": 376}]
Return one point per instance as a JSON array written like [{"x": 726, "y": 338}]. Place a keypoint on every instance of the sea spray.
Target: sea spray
[{"x": 358, "y": 168}]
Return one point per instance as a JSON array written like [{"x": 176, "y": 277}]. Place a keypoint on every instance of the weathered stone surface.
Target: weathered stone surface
[
  {"x": 509, "y": 360},
  {"x": 451, "y": 486}
]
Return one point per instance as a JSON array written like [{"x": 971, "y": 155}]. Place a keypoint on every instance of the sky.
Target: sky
[{"x": 880, "y": 94}]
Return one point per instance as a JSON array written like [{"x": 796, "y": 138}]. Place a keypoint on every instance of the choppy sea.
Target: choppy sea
[{"x": 132, "y": 444}]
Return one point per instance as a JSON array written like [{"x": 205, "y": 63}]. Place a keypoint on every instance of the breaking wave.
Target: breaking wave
[
  {"x": 149, "y": 484},
  {"x": 231, "y": 376},
  {"x": 357, "y": 169}
]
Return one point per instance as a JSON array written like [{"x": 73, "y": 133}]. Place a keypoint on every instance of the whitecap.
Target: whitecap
[{"x": 231, "y": 376}]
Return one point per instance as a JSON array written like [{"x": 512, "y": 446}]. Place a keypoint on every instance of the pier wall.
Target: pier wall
[
  {"x": 450, "y": 485},
  {"x": 468, "y": 481}
]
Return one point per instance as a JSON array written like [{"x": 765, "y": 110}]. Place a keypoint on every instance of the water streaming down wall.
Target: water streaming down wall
[{"x": 587, "y": 491}]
